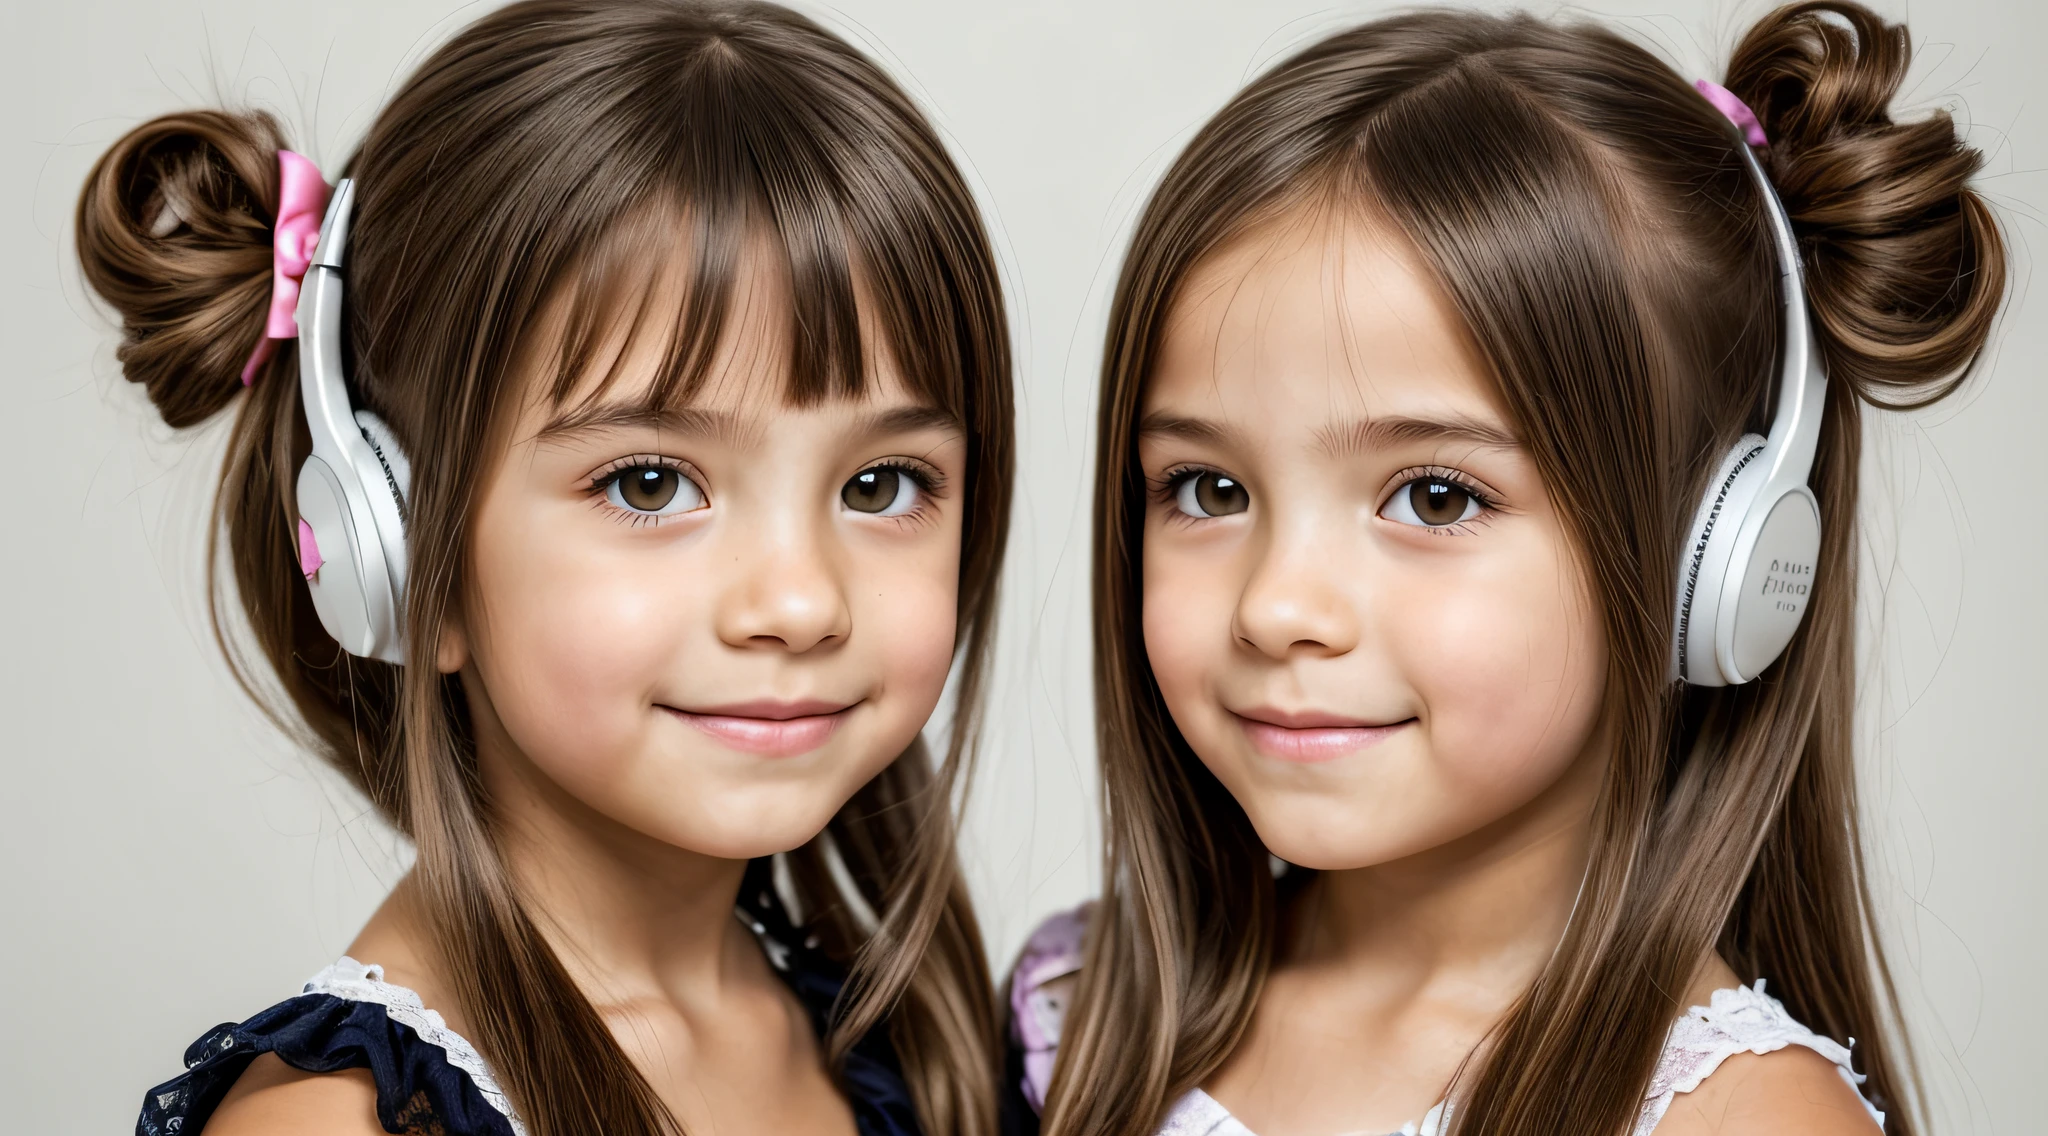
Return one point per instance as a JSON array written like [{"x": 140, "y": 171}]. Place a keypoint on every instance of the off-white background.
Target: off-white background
[{"x": 170, "y": 862}]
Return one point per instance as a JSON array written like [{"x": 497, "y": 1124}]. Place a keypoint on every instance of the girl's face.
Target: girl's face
[
  {"x": 713, "y": 624},
  {"x": 1360, "y": 606}
]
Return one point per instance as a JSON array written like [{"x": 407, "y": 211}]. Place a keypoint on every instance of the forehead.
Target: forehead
[{"x": 1316, "y": 315}]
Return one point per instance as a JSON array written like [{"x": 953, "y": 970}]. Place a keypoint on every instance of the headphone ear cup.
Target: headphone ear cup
[
  {"x": 1763, "y": 606},
  {"x": 1705, "y": 564},
  {"x": 354, "y": 512},
  {"x": 337, "y": 583}
]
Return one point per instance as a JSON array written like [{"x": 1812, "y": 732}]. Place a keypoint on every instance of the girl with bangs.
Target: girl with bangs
[
  {"x": 1474, "y": 545},
  {"x": 620, "y": 461}
]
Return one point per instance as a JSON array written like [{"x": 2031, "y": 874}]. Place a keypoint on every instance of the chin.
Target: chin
[
  {"x": 1323, "y": 857},
  {"x": 744, "y": 823},
  {"x": 1325, "y": 835},
  {"x": 730, "y": 841}
]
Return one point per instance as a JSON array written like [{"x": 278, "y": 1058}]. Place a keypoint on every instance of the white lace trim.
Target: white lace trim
[
  {"x": 361, "y": 982},
  {"x": 1742, "y": 1019},
  {"x": 1199, "y": 1114}
]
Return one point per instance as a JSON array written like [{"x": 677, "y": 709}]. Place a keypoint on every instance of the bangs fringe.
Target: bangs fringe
[{"x": 762, "y": 179}]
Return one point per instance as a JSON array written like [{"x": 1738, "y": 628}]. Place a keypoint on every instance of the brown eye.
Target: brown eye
[
  {"x": 1211, "y": 494},
  {"x": 654, "y": 491},
  {"x": 1431, "y": 502},
  {"x": 882, "y": 491}
]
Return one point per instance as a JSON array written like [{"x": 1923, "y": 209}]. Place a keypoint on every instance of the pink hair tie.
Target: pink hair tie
[
  {"x": 1738, "y": 112},
  {"x": 301, "y": 200}
]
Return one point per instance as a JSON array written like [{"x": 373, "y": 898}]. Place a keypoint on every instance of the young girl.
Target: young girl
[
  {"x": 621, "y": 458},
  {"x": 1475, "y": 533}
]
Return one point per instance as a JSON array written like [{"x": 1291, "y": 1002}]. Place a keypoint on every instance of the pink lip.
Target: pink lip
[
  {"x": 768, "y": 728},
  {"x": 1310, "y": 736}
]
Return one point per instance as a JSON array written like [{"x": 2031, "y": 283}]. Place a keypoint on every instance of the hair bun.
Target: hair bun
[
  {"x": 174, "y": 231},
  {"x": 1905, "y": 267}
]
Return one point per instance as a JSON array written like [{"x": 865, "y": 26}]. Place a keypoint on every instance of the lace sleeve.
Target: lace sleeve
[
  {"x": 429, "y": 1080},
  {"x": 364, "y": 982},
  {"x": 1739, "y": 1020}
]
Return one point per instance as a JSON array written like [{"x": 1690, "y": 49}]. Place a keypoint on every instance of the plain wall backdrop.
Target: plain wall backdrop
[{"x": 172, "y": 862}]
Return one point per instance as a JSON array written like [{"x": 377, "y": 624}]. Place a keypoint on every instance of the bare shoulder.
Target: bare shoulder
[
  {"x": 1791, "y": 1091},
  {"x": 272, "y": 1097}
]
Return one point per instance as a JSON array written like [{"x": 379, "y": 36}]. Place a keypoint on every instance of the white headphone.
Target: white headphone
[
  {"x": 352, "y": 488},
  {"x": 1749, "y": 567}
]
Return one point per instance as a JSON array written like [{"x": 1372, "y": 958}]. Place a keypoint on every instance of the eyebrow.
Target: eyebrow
[
  {"x": 1356, "y": 436},
  {"x": 1365, "y": 434},
  {"x": 598, "y": 417},
  {"x": 1162, "y": 425},
  {"x": 726, "y": 428},
  {"x": 908, "y": 420}
]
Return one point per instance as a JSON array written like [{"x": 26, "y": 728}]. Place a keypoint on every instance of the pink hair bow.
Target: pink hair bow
[
  {"x": 1738, "y": 112},
  {"x": 301, "y": 201}
]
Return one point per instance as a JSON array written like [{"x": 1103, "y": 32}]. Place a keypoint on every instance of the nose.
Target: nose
[
  {"x": 1294, "y": 602},
  {"x": 784, "y": 592}
]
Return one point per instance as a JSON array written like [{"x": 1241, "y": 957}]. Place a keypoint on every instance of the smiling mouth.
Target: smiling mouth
[
  {"x": 1311, "y": 736},
  {"x": 768, "y": 728}
]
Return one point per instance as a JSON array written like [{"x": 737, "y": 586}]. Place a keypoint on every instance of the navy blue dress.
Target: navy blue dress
[{"x": 431, "y": 1081}]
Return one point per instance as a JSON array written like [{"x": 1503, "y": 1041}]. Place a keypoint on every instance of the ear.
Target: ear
[{"x": 451, "y": 654}]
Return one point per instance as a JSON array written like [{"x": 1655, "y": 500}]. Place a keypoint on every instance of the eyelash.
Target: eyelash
[
  {"x": 1407, "y": 477},
  {"x": 1167, "y": 484},
  {"x": 930, "y": 483},
  {"x": 1163, "y": 488}
]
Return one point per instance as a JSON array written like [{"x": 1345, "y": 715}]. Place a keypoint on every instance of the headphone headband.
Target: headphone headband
[
  {"x": 323, "y": 387},
  {"x": 1802, "y": 380}
]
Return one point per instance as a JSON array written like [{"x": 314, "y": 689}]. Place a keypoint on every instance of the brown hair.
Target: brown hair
[
  {"x": 509, "y": 173},
  {"x": 1589, "y": 216}
]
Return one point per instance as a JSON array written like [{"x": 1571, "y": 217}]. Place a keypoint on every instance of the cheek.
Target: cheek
[
  {"x": 1187, "y": 606},
  {"x": 1511, "y": 675},
  {"x": 570, "y": 637},
  {"x": 905, "y": 615}
]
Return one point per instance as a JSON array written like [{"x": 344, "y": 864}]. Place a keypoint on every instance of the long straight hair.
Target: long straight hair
[
  {"x": 1589, "y": 216},
  {"x": 570, "y": 152}
]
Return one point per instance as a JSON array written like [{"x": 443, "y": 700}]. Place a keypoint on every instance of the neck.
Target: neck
[
  {"x": 629, "y": 916},
  {"x": 1490, "y": 906}
]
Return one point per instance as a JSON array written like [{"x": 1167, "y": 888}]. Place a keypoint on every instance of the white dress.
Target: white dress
[{"x": 1742, "y": 1019}]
